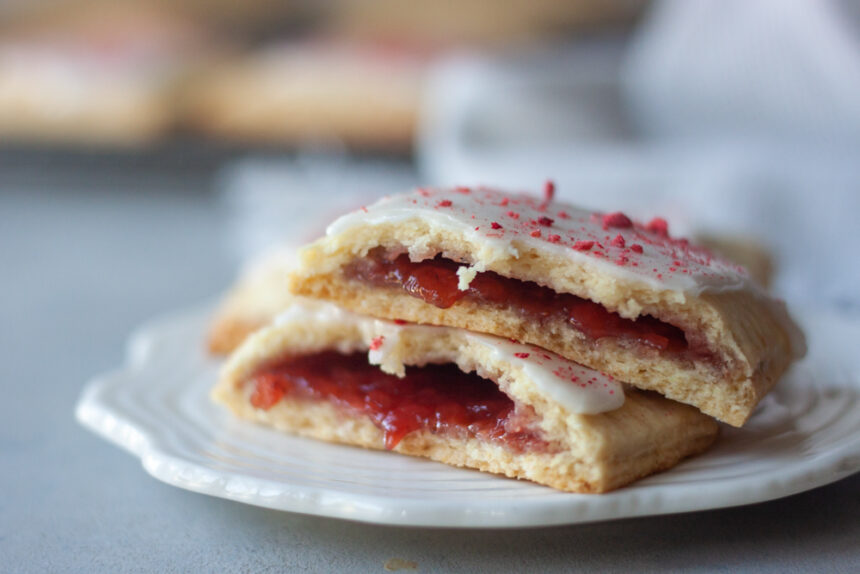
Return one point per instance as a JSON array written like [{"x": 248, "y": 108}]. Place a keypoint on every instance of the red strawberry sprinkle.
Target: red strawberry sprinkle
[
  {"x": 376, "y": 343},
  {"x": 659, "y": 226},
  {"x": 616, "y": 219},
  {"x": 548, "y": 190}
]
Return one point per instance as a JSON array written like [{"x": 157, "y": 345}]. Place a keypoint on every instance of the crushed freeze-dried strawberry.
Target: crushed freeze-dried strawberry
[
  {"x": 659, "y": 226},
  {"x": 616, "y": 219}
]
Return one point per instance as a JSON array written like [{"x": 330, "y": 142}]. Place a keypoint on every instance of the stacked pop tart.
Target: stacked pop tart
[{"x": 509, "y": 333}]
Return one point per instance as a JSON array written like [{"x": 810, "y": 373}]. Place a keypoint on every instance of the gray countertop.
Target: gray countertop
[{"x": 83, "y": 264}]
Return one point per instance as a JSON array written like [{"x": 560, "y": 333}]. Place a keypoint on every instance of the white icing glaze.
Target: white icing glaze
[
  {"x": 611, "y": 244},
  {"x": 578, "y": 389}
]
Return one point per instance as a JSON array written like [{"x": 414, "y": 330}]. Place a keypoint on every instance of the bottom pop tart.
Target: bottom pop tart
[{"x": 461, "y": 398}]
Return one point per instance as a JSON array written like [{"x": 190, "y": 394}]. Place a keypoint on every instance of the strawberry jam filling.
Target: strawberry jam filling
[
  {"x": 435, "y": 281},
  {"x": 438, "y": 398}
]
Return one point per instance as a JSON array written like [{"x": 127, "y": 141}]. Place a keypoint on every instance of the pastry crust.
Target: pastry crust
[
  {"x": 259, "y": 295},
  {"x": 591, "y": 452},
  {"x": 745, "y": 339}
]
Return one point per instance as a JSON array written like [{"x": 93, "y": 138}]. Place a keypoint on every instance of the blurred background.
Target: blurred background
[{"x": 167, "y": 142}]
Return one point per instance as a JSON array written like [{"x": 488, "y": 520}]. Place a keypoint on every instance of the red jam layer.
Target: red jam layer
[
  {"x": 435, "y": 281},
  {"x": 439, "y": 398}
]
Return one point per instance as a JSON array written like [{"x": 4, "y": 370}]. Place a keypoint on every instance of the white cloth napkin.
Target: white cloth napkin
[{"x": 769, "y": 69}]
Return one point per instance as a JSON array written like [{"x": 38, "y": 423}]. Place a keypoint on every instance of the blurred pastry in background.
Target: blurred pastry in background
[
  {"x": 476, "y": 22},
  {"x": 745, "y": 251},
  {"x": 94, "y": 73},
  {"x": 357, "y": 81},
  {"x": 249, "y": 20},
  {"x": 319, "y": 93}
]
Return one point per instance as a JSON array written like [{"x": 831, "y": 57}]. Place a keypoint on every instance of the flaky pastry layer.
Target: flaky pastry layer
[{"x": 253, "y": 301}]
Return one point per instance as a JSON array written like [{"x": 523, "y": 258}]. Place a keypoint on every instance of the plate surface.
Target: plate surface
[{"x": 805, "y": 434}]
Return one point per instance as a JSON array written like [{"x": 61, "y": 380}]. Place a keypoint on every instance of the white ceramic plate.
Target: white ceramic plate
[{"x": 805, "y": 434}]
